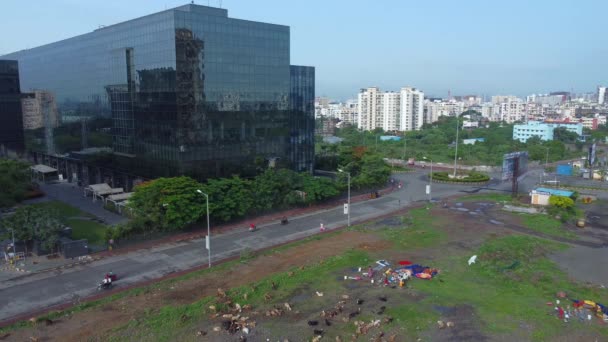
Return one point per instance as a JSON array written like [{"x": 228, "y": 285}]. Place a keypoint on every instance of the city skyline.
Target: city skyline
[{"x": 471, "y": 48}]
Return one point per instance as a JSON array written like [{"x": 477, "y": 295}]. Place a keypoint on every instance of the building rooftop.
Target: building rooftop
[{"x": 555, "y": 192}]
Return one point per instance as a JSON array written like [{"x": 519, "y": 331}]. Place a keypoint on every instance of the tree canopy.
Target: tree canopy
[
  {"x": 34, "y": 223},
  {"x": 435, "y": 141},
  {"x": 14, "y": 181}
]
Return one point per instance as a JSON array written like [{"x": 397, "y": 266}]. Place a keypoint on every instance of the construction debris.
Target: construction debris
[
  {"x": 221, "y": 293},
  {"x": 320, "y": 294},
  {"x": 275, "y": 312},
  {"x": 384, "y": 275},
  {"x": 287, "y": 306}
]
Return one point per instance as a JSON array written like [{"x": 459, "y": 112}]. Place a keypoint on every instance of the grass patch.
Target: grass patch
[
  {"x": 419, "y": 230},
  {"x": 84, "y": 229},
  {"x": 397, "y": 168},
  {"x": 62, "y": 209},
  {"x": 508, "y": 288},
  {"x": 412, "y": 318},
  {"x": 488, "y": 197},
  {"x": 547, "y": 225},
  {"x": 162, "y": 285},
  {"x": 162, "y": 325}
]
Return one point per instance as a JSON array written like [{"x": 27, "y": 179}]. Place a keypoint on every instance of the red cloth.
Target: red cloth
[
  {"x": 405, "y": 262},
  {"x": 560, "y": 313}
]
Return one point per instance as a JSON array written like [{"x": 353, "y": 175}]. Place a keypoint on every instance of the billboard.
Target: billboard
[
  {"x": 591, "y": 154},
  {"x": 508, "y": 165}
]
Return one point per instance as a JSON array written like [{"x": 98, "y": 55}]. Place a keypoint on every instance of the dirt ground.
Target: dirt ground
[
  {"x": 465, "y": 228},
  {"x": 94, "y": 324}
]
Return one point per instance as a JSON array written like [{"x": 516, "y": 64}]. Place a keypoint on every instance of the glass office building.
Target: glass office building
[
  {"x": 183, "y": 91},
  {"x": 11, "y": 120}
]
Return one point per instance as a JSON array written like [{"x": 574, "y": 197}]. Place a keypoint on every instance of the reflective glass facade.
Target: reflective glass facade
[
  {"x": 188, "y": 91},
  {"x": 11, "y": 122}
]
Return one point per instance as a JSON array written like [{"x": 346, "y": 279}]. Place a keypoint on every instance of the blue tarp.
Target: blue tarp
[{"x": 555, "y": 192}]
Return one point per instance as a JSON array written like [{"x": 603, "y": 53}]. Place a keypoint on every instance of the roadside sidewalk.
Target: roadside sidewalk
[
  {"x": 36, "y": 265},
  {"x": 242, "y": 224}
]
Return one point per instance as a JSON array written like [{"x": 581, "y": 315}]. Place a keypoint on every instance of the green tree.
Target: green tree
[
  {"x": 167, "y": 203},
  {"x": 229, "y": 197},
  {"x": 272, "y": 188},
  {"x": 14, "y": 181},
  {"x": 374, "y": 171},
  {"x": 564, "y": 135},
  {"x": 318, "y": 189},
  {"x": 34, "y": 223},
  {"x": 561, "y": 202}
]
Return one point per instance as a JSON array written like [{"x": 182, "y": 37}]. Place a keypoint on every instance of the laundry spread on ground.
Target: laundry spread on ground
[{"x": 383, "y": 274}]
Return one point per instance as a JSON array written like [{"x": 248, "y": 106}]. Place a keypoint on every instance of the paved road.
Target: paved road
[
  {"x": 71, "y": 194},
  {"x": 39, "y": 291}
]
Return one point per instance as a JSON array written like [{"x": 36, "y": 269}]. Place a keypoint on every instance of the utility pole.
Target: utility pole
[
  {"x": 404, "y": 147},
  {"x": 456, "y": 152}
]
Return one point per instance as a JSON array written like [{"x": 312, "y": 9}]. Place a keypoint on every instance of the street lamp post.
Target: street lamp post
[
  {"x": 430, "y": 178},
  {"x": 542, "y": 172},
  {"x": 404, "y": 147},
  {"x": 456, "y": 152},
  {"x": 208, "y": 227},
  {"x": 348, "y": 211}
]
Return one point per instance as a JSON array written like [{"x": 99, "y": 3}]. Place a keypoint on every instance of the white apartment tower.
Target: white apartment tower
[
  {"x": 391, "y": 103},
  {"x": 391, "y": 111},
  {"x": 370, "y": 109},
  {"x": 412, "y": 109},
  {"x": 601, "y": 95}
]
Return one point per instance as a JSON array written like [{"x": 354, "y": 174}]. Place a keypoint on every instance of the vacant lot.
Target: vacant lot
[{"x": 298, "y": 291}]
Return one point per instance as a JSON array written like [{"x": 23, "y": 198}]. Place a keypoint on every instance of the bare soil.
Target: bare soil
[
  {"x": 94, "y": 324},
  {"x": 465, "y": 231}
]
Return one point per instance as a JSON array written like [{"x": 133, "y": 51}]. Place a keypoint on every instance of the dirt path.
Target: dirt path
[{"x": 92, "y": 324}]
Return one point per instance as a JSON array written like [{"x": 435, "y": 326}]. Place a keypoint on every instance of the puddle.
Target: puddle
[
  {"x": 496, "y": 222},
  {"x": 445, "y": 310}
]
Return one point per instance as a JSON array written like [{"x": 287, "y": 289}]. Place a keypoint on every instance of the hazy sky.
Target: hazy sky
[{"x": 469, "y": 46}]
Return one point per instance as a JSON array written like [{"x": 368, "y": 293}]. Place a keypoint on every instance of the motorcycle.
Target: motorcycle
[
  {"x": 284, "y": 221},
  {"x": 104, "y": 286},
  {"x": 253, "y": 228}
]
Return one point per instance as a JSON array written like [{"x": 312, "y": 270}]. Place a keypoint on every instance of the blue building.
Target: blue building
[
  {"x": 389, "y": 138},
  {"x": 543, "y": 130},
  {"x": 184, "y": 91}
]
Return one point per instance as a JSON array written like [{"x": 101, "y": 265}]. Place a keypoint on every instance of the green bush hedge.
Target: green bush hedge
[{"x": 472, "y": 177}]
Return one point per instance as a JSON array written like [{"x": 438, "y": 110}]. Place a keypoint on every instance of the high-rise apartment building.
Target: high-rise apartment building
[
  {"x": 412, "y": 109},
  {"x": 601, "y": 95},
  {"x": 189, "y": 91},
  {"x": 11, "y": 121},
  {"x": 512, "y": 110},
  {"x": 391, "y": 111},
  {"x": 370, "y": 109}
]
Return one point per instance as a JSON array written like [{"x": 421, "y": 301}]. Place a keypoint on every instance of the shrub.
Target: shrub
[
  {"x": 472, "y": 177},
  {"x": 561, "y": 202}
]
